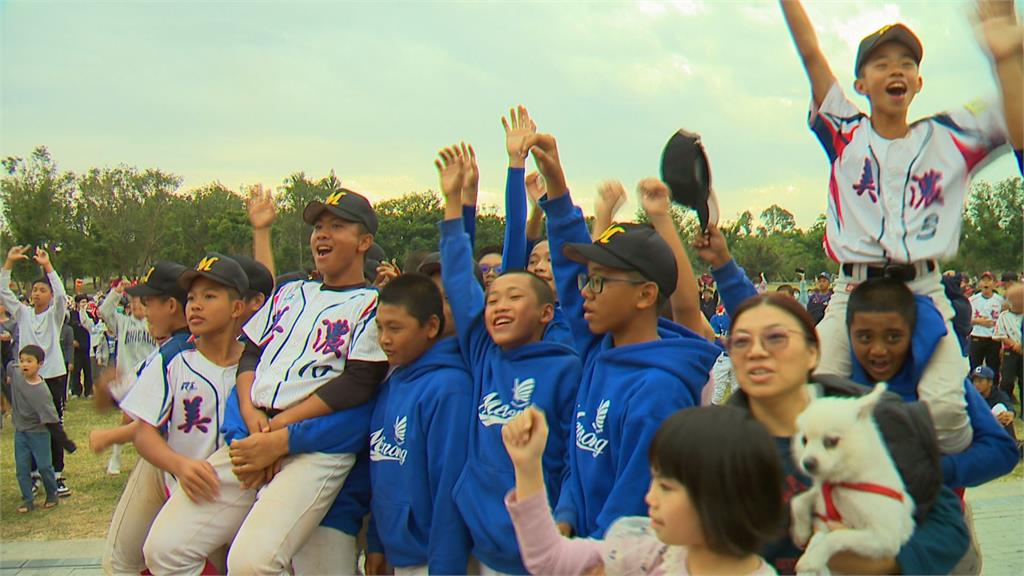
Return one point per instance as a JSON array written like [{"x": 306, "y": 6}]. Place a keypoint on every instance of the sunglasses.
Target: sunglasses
[{"x": 487, "y": 269}]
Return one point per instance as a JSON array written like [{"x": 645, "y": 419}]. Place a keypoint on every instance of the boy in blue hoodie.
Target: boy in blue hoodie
[
  {"x": 638, "y": 368},
  {"x": 417, "y": 441},
  {"x": 501, "y": 341}
]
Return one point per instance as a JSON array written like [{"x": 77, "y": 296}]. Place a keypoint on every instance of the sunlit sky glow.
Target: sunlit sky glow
[{"x": 246, "y": 92}]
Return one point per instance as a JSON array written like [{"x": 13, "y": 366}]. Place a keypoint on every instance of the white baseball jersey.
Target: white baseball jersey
[
  {"x": 982, "y": 307},
  {"x": 185, "y": 393},
  {"x": 1008, "y": 326},
  {"x": 134, "y": 343},
  {"x": 308, "y": 333},
  {"x": 43, "y": 329},
  {"x": 900, "y": 200}
]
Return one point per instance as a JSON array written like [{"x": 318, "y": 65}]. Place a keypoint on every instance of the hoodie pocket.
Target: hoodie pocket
[
  {"x": 399, "y": 533},
  {"x": 480, "y": 497}
]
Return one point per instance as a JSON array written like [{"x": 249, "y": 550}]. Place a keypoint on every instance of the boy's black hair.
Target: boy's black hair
[
  {"x": 492, "y": 249},
  {"x": 418, "y": 295},
  {"x": 882, "y": 295},
  {"x": 33, "y": 351},
  {"x": 729, "y": 465},
  {"x": 80, "y": 297},
  {"x": 43, "y": 280},
  {"x": 540, "y": 287}
]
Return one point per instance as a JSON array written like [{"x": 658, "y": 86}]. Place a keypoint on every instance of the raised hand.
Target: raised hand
[
  {"x": 654, "y": 197},
  {"x": 610, "y": 197},
  {"x": 471, "y": 176},
  {"x": 451, "y": 169},
  {"x": 261, "y": 207},
  {"x": 997, "y": 28},
  {"x": 14, "y": 254},
  {"x": 711, "y": 247},
  {"x": 386, "y": 272},
  {"x": 545, "y": 154},
  {"x": 535, "y": 188},
  {"x": 43, "y": 259},
  {"x": 518, "y": 127}
]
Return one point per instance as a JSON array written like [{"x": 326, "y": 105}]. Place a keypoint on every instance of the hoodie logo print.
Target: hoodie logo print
[
  {"x": 592, "y": 441},
  {"x": 492, "y": 411},
  {"x": 382, "y": 451}
]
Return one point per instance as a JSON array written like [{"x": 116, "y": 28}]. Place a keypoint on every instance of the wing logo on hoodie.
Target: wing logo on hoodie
[
  {"x": 592, "y": 441},
  {"x": 400, "y": 424},
  {"x": 493, "y": 411}
]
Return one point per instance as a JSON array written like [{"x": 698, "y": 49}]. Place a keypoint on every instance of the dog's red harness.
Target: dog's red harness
[{"x": 832, "y": 513}]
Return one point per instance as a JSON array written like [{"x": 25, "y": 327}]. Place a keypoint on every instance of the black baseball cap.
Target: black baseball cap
[
  {"x": 160, "y": 280},
  {"x": 260, "y": 279},
  {"x": 635, "y": 247},
  {"x": 219, "y": 268},
  {"x": 432, "y": 264},
  {"x": 888, "y": 33},
  {"x": 686, "y": 171},
  {"x": 344, "y": 204}
]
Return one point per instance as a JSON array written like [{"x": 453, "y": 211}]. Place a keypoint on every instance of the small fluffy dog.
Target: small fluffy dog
[{"x": 856, "y": 483}]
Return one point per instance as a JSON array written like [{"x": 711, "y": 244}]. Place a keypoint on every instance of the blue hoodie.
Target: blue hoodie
[
  {"x": 544, "y": 374},
  {"x": 992, "y": 452},
  {"x": 625, "y": 394},
  {"x": 417, "y": 451},
  {"x": 342, "y": 432}
]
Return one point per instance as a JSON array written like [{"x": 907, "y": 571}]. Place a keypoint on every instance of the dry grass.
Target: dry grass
[{"x": 84, "y": 514}]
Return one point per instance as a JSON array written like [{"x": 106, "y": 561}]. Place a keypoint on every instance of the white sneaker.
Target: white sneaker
[{"x": 114, "y": 466}]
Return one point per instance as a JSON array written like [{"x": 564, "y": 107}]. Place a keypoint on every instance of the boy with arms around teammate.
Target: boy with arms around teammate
[
  {"x": 311, "y": 349},
  {"x": 501, "y": 339},
  {"x": 637, "y": 368},
  {"x": 895, "y": 194},
  {"x": 417, "y": 443}
]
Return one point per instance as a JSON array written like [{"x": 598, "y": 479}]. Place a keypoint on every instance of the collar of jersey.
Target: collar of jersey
[{"x": 325, "y": 287}]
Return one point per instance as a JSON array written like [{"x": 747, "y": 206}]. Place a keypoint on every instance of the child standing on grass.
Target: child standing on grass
[{"x": 32, "y": 411}]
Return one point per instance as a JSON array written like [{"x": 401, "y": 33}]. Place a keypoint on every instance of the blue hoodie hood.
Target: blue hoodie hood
[
  {"x": 625, "y": 395},
  {"x": 929, "y": 329}
]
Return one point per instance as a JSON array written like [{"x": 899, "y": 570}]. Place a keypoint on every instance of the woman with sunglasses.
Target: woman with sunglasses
[{"x": 774, "y": 348}]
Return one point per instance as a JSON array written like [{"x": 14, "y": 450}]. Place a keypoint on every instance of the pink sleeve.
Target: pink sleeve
[{"x": 543, "y": 549}]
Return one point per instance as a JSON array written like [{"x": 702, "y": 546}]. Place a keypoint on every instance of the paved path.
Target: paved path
[{"x": 998, "y": 520}]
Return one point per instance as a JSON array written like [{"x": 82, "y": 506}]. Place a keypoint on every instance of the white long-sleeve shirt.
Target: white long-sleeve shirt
[
  {"x": 41, "y": 329},
  {"x": 134, "y": 342}
]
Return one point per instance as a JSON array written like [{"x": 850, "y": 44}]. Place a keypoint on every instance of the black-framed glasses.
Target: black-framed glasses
[
  {"x": 595, "y": 282},
  {"x": 772, "y": 340}
]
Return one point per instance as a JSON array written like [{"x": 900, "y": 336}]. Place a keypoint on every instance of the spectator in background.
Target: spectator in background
[
  {"x": 998, "y": 402},
  {"x": 720, "y": 323},
  {"x": 1008, "y": 334},
  {"x": 952, "y": 283},
  {"x": 818, "y": 300},
  {"x": 80, "y": 383},
  {"x": 708, "y": 302},
  {"x": 787, "y": 290},
  {"x": 985, "y": 308}
]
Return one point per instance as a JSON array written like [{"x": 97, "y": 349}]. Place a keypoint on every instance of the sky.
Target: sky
[{"x": 246, "y": 92}]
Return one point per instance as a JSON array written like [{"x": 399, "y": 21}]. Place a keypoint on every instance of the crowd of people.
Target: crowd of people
[{"x": 574, "y": 401}]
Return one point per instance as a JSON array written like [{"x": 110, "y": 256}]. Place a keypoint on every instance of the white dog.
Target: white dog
[{"x": 856, "y": 483}]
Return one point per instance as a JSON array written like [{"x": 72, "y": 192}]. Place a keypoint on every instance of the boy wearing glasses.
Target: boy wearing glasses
[
  {"x": 501, "y": 339},
  {"x": 638, "y": 368}
]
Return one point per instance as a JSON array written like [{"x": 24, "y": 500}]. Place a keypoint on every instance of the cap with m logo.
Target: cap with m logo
[
  {"x": 220, "y": 269},
  {"x": 160, "y": 280},
  {"x": 630, "y": 247},
  {"x": 344, "y": 204},
  {"x": 206, "y": 264}
]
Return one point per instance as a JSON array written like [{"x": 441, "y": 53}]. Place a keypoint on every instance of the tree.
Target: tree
[
  {"x": 993, "y": 230},
  {"x": 36, "y": 198},
  {"x": 776, "y": 220}
]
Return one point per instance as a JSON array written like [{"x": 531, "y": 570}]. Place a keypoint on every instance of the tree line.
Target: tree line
[{"x": 109, "y": 222}]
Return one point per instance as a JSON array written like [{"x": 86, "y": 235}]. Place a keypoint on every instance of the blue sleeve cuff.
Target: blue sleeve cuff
[
  {"x": 560, "y": 207},
  {"x": 452, "y": 227}
]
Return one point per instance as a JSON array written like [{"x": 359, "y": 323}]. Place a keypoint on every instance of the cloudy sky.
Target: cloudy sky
[{"x": 251, "y": 91}]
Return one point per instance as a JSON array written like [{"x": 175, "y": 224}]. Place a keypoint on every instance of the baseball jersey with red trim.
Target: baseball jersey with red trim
[
  {"x": 900, "y": 200},
  {"x": 308, "y": 332},
  {"x": 185, "y": 395}
]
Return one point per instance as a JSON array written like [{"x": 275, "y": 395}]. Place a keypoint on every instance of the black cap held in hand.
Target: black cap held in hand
[
  {"x": 160, "y": 280},
  {"x": 685, "y": 169},
  {"x": 633, "y": 247},
  {"x": 219, "y": 268},
  {"x": 344, "y": 204}
]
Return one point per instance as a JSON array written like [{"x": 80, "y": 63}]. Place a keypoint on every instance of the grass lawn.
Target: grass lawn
[{"x": 94, "y": 494}]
